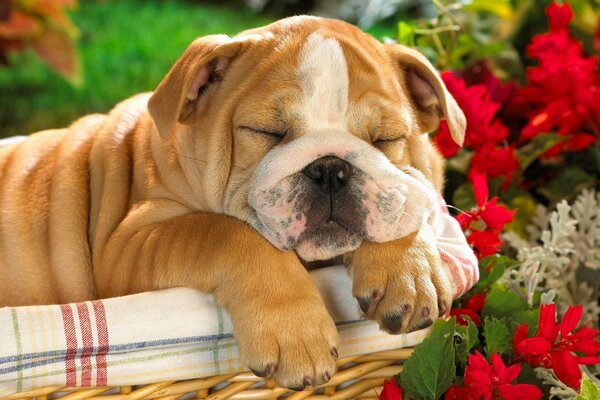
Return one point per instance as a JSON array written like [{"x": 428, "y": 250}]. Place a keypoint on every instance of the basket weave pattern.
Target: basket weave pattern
[{"x": 357, "y": 377}]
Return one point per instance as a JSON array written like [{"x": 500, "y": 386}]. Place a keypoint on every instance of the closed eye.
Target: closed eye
[
  {"x": 381, "y": 142},
  {"x": 271, "y": 134}
]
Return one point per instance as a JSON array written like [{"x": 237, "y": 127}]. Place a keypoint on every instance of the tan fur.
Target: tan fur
[{"x": 125, "y": 202}]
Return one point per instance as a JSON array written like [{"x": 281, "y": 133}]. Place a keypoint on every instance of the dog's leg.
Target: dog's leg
[
  {"x": 402, "y": 284},
  {"x": 280, "y": 321}
]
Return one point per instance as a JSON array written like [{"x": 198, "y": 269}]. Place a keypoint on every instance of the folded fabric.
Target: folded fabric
[{"x": 178, "y": 333}]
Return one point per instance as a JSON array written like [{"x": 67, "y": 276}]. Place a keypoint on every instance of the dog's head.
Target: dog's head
[{"x": 308, "y": 129}]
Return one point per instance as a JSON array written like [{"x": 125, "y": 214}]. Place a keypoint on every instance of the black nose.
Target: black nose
[{"x": 329, "y": 173}]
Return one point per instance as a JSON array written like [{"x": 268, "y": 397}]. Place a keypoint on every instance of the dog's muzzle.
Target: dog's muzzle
[{"x": 322, "y": 196}]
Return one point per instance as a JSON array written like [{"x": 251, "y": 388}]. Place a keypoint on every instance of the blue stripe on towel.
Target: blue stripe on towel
[{"x": 58, "y": 355}]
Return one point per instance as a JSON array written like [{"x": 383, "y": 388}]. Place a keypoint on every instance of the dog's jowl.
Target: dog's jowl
[{"x": 300, "y": 141}]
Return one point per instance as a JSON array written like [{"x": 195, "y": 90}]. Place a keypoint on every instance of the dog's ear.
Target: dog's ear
[
  {"x": 429, "y": 94},
  {"x": 203, "y": 63}
]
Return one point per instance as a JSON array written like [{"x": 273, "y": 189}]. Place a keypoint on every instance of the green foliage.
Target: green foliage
[
  {"x": 503, "y": 303},
  {"x": 466, "y": 338},
  {"x": 463, "y": 197},
  {"x": 406, "y": 33},
  {"x": 525, "y": 205},
  {"x": 430, "y": 370},
  {"x": 530, "y": 317},
  {"x": 454, "y": 37},
  {"x": 589, "y": 390},
  {"x": 536, "y": 147},
  {"x": 497, "y": 337},
  {"x": 45, "y": 28},
  {"x": 120, "y": 58},
  {"x": 491, "y": 269},
  {"x": 567, "y": 183}
]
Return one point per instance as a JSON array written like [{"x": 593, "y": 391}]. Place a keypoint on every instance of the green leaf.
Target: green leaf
[
  {"x": 466, "y": 338},
  {"x": 529, "y": 317},
  {"x": 489, "y": 50},
  {"x": 406, "y": 33},
  {"x": 491, "y": 269},
  {"x": 465, "y": 45},
  {"x": 569, "y": 181},
  {"x": 536, "y": 147},
  {"x": 463, "y": 197},
  {"x": 430, "y": 370},
  {"x": 525, "y": 206},
  {"x": 497, "y": 337},
  {"x": 595, "y": 152},
  {"x": 589, "y": 390},
  {"x": 501, "y": 8},
  {"x": 503, "y": 303}
]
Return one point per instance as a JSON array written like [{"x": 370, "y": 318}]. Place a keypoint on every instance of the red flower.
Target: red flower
[
  {"x": 493, "y": 216},
  {"x": 486, "y": 243},
  {"x": 597, "y": 37},
  {"x": 559, "y": 16},
  {"x": 563, "y": 93},
  {"x": 459, "y": 312},
  {"x": 480, "y": 111},
  {"x": 576, "y": 142},
  {"x": 475, "y": 302},
  {"x": 491, "y": 382},
  {"x": 554, "y": 344},
  {"x": 390, "y": 391},
  {"x": 496, "y": 162},
  {"x": 444, "y": 142}
]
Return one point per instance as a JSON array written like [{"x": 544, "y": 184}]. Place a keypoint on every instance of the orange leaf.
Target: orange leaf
[
  {"x": 57, "y": 49},
  {"x": 54, "y": 12},
  {"x": 19, "y": 26}
]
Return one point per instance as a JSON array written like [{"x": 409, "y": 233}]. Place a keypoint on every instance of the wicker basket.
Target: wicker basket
[{"x": 357, "y": 377}]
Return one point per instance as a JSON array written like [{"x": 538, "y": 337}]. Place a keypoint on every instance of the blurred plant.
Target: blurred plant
[
  {"x": 463, "y": 32},
  {"x": 365, "y": 13},
  {"x": 43, "y": 26},
  {"x": 524, "y": 323},
  {"x": 561, "y": 257},
  {"x": 532, "y": 145}
]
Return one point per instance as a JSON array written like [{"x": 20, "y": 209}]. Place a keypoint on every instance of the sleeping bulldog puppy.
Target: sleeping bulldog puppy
[{"x": 301, "y": 141}]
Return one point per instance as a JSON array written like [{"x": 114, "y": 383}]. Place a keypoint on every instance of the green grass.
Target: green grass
[{"x": 126, "y": 47}]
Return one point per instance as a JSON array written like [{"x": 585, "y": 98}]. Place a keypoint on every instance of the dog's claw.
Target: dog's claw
[
  {"x": 442, "y": 308},
  {"x": 268, "y": 371},
  {"x": 392, "y": 322},
  {"x": 307, "y": 381},
  {"x": 364, "y": 303},
  {"x": 424, "y": 323},
  {"x": 334, "y": 352}
]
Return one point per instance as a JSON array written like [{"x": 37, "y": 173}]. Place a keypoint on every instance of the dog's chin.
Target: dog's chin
[{"x": 327, "y": 241}]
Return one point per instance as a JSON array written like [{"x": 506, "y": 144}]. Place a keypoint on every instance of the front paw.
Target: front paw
[
  {"x": 402, "y": 284},
  {"x": 293, "y": 340}
]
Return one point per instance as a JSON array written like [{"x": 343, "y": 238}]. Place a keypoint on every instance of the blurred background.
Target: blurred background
[{"x": 60, "y": 59}]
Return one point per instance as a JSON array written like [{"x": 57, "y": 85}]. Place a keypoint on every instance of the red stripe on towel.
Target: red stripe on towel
[
  {"x": 71, "y": 339},
  {"x": 454, "y": 270},
  {"x": 102, "y": 331},
  {"x": 471, "y": 270},
  {"x": 88, "y": 344}
]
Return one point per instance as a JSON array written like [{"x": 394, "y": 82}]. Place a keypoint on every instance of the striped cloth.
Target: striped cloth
[{"x": 178, "y": 333}]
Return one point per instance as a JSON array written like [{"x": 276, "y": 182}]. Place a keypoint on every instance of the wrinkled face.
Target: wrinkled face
[{"x": 320, "y": 157}]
